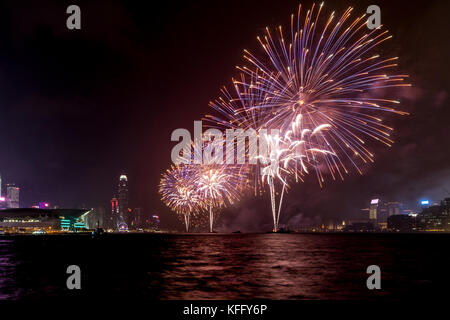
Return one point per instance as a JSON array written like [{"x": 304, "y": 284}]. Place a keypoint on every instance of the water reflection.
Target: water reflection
[
  {"x": 235, "y": 266},
  {"x": 8, "y": 288}
]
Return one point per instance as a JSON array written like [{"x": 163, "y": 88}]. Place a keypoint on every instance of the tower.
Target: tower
[{"x": 122, "y": 194}]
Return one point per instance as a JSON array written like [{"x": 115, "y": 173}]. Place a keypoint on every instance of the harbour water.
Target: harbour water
[{"x": 226, "y": 266}]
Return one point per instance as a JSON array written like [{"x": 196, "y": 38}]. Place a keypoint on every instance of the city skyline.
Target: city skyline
[
  {"x": 75, "y": 131},
  {"x": 123, "y": 216}
]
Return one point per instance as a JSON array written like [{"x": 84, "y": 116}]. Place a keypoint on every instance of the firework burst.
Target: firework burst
[
  {"x": 325, "y": 74},
  {"x": 320, "y": 88},
  {"x": 178, "y": 192},
  {"x": 216, "y": 184}
]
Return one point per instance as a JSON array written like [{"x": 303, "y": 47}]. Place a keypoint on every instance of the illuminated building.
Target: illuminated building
[
  {"x": 154, "y": 222},
  {"x": 114, "y": 212},
  {"x": 123, "y": 214},
  {"x": 340, "y": 226},
  {"x": 425, "y": 203},
  {"x": 12, "y": 196},
  {"x": 27, "y": 220},
  {"x": 374, "y": 210},
  {"x": 379, "y": 211},
  {"x": 435, "y": 217},
  {"x": 123, "y": 195}
]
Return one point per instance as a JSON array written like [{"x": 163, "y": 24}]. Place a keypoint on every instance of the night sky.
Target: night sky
[{"x": 80, "y": 107}]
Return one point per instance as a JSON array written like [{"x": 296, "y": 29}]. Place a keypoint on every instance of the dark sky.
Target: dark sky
[{"x": 80, "y": 107}]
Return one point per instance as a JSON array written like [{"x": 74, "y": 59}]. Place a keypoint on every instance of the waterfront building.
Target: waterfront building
[
  {"x": 435, "y": 217},
  {"x": 122, "y": 193},
  {"x": 28, "y": 220}
]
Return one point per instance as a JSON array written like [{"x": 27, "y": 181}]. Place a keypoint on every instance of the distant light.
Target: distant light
[
  {"x": 374, "y": 201},
  {"x": 43, "y": 205},
  {"x": 123, "y": 177},
  {"x": 424, "y": 202},
  {"x": 2, "y": 199}
]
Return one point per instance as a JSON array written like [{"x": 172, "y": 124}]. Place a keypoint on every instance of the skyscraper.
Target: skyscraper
[
  {"x": 114, "y": 213},
  {"x": 12, "y": 196},
  {"x": 374, "y": 210},
  {"x": 122, "y": 194}
]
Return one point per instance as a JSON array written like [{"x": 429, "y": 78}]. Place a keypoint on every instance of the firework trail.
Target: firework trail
[
  {"x": 284, "y": 154},
  {"x": 178, "y": 192},
  {"x": 216, "y": 184},
  {"x": 277, "y": 152},
  {"x": 215, "y": 187}
]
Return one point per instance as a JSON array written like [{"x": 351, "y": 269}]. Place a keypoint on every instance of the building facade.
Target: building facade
[
  {"x": 122, "y": 193},
  {"x": 12, "y": 196},
  {"x": 114, "y": 217},
  {"x": 28, "y": 220}
]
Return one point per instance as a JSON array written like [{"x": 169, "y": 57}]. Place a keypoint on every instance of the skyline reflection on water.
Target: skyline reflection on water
[{"x": 229, "y": 266}]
